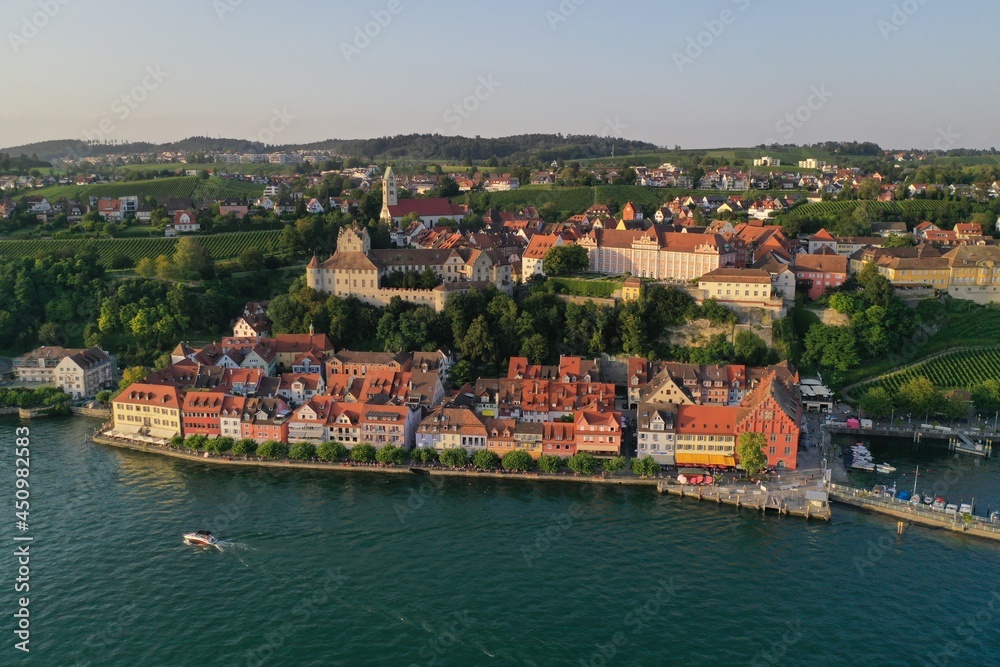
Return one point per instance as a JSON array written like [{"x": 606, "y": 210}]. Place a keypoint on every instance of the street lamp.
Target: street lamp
[{"x": 892, "y": 418}]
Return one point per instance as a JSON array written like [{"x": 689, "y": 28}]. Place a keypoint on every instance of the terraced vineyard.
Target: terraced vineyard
[
  {"x": 180, "y": 187},
  {"x": 960, "y": 370},
  {"x": 219, "y": 246},
  {"x": 906, "y": 206}
]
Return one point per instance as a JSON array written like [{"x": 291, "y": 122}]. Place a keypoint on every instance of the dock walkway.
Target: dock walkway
[{"x": 919, "y": 515}]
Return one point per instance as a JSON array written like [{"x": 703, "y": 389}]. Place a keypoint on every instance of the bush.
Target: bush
[
  {"x": 549, "y": 463},
  {"x": 456, "y": 457},
  {"x": 390, "y": 455},
  {"x": 518, "y": 460},
  {"x": 302, "y": 451},
  {"x": 245, "y": 447},
  {"x": 272, "y": 449},
  {"x": 177, "y": 441},
  {"x": 332, "y": 451},
  {"x": 485, "y": 459},
  {"x": 364, "y": 453}
]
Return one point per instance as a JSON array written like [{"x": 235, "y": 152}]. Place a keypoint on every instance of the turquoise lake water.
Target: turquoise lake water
[{"x": 363, "y": 569}]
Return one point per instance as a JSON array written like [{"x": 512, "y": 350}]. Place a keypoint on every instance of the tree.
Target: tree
[
  {"x": 918, "y": 395},
  {"x": 455, "y": 457},
  {"x": 535, "y": 348},
  {"x": 166, "y": 269},
  {"x": 563, "y": 260},
  {"x": 876, "y": 402},
  {"x": 424, "y": 455},
  {"x": 750, "y": 451},
  {"x": 245, "y": 447},
  {"x": 191, "y": 258},
  {"x": 364, "y": 453},
  {"x": 615, "y": 465},
  {"x": 899, "y": 241},
  {"x": 196, "y": 442},
  {"x": 549, "y": 463},
  {"x": 272, "y": 449},
  {"x": 517, "y": 460},
  {"x": 302, "y": 451},
  {"x": 869, "y": 188},
  {"x": 583, "y": 463},
  {"x": 390, "y": 455},
  {"x": 252, "y": 259},
  {"x": 749, "y": 348},
  {"x": 132, "y": 374},
  {"x": 146, "y": 268},
  {"x": 104, "y": 396},
  {"x": 986, "y": 396},
  {"x": 224, "y": 444},
  {"x": 331, "y": 451},
  {"x": 646, "y": 467},
  {"x": 484, "y": 459}
]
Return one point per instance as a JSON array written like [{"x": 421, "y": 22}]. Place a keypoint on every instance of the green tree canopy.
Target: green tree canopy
[
  {"x": 645, "y": 467},
  {"x": 750, "y": 451},
  {"x": 302, "y": 451},
  {"x": 517, "y": 460},
  {"x": 582, "y": 463},
  {"x": 564, "y": 260},
  {"x": 549, "y": 464},
  {"x": 332, "y": 451},
  {"x": 363, "y": 453},
  {"x": 454, "y": 457},
  {"x": 484, "y": 459}
]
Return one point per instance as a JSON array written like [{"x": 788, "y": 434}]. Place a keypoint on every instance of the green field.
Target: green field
[
  {"x": 958, "y": 370},
  {"x": 180, "y": 187},
  {"x": 219, "y": 246}
]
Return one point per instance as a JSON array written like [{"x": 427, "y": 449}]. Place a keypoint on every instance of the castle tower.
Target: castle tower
[
  {"x": 390, "y": 195},
  {"x": 353, "y": 239}
]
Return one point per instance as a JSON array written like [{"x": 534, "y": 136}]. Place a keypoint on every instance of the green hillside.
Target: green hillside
[
  {"x": 219, "y": 246},
  {"x": 180, "y": 187}
]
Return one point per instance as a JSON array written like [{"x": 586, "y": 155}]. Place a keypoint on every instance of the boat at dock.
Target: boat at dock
[{"x": 884, "y": 468}]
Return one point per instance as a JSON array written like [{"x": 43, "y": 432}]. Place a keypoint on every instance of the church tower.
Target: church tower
[{"x": 389, "y": 195}]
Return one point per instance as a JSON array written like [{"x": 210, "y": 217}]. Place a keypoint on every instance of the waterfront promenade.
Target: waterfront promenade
[{"x": 625, "y": 478}]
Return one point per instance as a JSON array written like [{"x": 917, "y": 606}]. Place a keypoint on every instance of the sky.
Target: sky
[{"x": 713, "y": 73}]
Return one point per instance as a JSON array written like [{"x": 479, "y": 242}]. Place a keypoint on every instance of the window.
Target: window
[{"x": 772, "y": 450}]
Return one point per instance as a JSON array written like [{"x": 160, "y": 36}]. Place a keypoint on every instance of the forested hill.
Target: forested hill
[{"x": 410, "y": 146}]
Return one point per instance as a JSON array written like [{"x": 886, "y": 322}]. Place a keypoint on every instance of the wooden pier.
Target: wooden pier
[{"x": 788, "y": 502}]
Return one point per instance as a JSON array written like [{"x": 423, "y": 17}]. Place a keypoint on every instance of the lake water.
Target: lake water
[{"x": 364, "y": 569}]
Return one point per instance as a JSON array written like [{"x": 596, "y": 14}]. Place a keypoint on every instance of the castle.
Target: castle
[{"x": 357, "y": 270}]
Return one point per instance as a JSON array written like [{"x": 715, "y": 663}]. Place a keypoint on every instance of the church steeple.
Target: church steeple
[{"x": 390, "y": 195}]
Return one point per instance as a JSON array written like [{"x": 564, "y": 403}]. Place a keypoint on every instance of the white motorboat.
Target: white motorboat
[
  {"x": 201, "y": 538},
  {"x": 884, "y": 468},
  {"x": 965, "y": 508},
  {"x": 928, "y": 499},
  {"x": 995, "y": 516},
  {"x": 863, "y": 465},
  {"x": 915, "y": 500},
  {"x": 938, "y": 504},
  {"x": 951, "y": 508}
]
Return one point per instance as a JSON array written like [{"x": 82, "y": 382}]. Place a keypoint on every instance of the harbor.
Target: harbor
[{"x": 786, "y": 500}]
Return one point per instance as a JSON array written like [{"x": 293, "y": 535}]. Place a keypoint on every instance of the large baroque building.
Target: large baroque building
[
  {"x": 661, "y": 255},
  {"x": 357, "y": 270}
]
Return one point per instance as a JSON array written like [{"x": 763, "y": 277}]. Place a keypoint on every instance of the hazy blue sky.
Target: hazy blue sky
[{"x": 914, "y": 73}]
